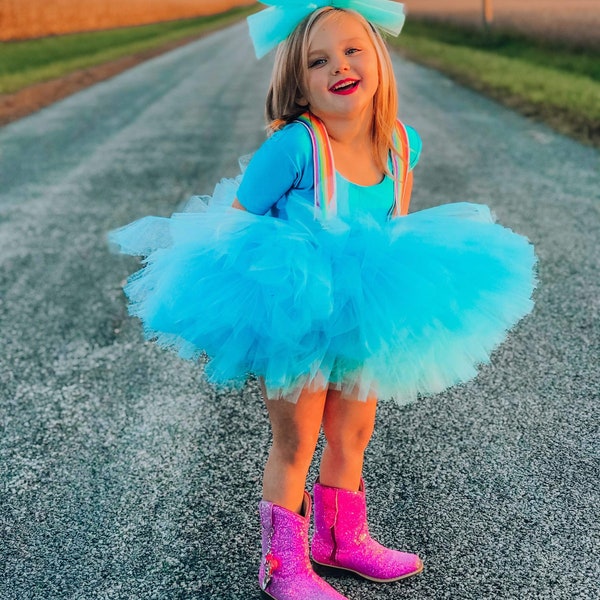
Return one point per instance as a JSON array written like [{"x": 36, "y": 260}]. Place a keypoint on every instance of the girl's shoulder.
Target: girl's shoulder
[
  {"x": 414, "y": 143},
  {"x": 292, "y": 142},
  {"x": 290, "y": 145},
  {"x": 293, "y": 136}
]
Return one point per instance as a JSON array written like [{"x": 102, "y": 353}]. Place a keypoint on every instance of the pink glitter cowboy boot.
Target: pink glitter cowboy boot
[
  {"x": 285, "y": 569},
  {"x": 342, "y": 538}
]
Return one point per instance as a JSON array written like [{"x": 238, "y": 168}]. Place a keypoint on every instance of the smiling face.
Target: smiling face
[{"x": 342, "y": 71}]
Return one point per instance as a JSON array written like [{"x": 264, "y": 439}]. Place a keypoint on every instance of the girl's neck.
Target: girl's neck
[
  {"x": 345, "y": 132},
  {"x": 353, "y": 151}
]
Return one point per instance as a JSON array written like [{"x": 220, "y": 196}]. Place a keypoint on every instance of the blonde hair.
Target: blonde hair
[{"x": 288, "y": 83}]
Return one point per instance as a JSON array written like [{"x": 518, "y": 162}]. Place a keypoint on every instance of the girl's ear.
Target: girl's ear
[{"x": 302, "y": 101}]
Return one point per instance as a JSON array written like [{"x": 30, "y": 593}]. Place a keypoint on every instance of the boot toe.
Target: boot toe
[
  {"x": 401, "y": 565},
  {"x": 390, "y": 565}
]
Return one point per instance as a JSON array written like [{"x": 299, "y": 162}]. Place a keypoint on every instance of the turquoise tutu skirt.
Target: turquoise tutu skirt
[{"x": 397, "y": 309}]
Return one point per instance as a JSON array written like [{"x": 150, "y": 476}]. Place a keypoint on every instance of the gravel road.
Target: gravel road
[{"x": 123, "y": 476}]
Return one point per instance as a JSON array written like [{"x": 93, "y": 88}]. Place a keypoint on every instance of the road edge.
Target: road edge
[{"x": 35, "y": 97}]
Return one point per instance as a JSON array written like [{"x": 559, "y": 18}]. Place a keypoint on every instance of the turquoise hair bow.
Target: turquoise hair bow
[{"x": 274, "y": 24}]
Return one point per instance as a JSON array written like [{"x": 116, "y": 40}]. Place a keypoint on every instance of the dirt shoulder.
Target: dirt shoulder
[
  {"x": 35, "y": 97},
  {"x": 562, "y": 120}
]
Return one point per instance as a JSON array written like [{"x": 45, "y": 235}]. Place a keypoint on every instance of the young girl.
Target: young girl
[{"x": 318, "y": 282}]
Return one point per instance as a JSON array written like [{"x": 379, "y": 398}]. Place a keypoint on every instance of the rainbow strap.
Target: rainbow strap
[
  {"x": 401, "y": 171},
  {"x": 324, "y": 169}
]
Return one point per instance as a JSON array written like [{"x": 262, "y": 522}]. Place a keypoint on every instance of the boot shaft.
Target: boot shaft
[
  {"x": 286, "y": 572},
  {"x": 340, "y": 516},
  {"x": 284, "y": 537}
]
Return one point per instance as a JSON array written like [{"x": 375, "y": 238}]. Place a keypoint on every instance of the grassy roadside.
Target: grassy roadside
[
  {"x": 549, "y": 82},
  {"x": 24, "y": 63},
  {"x": 552, "y": 83}
]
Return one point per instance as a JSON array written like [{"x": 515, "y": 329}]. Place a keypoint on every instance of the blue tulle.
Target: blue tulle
[{"x": 397, "y": 309}]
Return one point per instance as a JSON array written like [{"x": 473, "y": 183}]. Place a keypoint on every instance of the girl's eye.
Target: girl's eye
[
  {"x": 352, "y": 50},
  {"x": 316, "y": 63}
]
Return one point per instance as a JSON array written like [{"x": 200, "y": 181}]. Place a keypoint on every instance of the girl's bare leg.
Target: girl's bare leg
[
  {"x": 348, "y": 426},
  {"x": 341, "y": 532},
  {"x": 295, "y": 429}
]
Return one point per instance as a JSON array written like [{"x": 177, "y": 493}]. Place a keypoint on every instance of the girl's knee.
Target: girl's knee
[
  {"x": 296, "y": 449},
  {"x": 349, "y": 440},
  {"x": 348, "y": 423},
  {"x": 296, "y": 427}
]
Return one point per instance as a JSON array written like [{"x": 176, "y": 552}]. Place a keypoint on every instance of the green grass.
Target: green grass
[
  {"x": 23, "y": 63},
  {"x": 555, "y": 83}
]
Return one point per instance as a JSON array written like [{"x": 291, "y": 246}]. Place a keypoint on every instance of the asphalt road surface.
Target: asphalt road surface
[{"x": 124, "y": 476}]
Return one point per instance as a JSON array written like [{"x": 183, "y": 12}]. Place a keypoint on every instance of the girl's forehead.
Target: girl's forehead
[{"x": 336, "y": 25}]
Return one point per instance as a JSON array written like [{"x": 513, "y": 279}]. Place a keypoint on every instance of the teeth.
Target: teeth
[{"x": 344, "y": 85}]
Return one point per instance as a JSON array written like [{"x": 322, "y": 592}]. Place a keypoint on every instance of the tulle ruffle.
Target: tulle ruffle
[{"x": 398, "y": 309}]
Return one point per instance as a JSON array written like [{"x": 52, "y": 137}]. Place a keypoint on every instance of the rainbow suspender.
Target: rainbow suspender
[
  {"x": 401, "y": 172},
  {"x": 324, "y": 168}
]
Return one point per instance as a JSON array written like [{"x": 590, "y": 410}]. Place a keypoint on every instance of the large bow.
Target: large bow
[{"x": 274, "y": 24}]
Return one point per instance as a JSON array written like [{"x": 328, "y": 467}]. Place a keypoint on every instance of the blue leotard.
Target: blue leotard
[{"x": 281, "y": 173}]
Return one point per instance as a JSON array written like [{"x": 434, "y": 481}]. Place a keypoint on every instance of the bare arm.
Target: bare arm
[{"x": 236, "y": 204}]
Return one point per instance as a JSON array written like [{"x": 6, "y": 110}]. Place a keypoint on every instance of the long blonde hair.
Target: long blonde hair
[{"x": 288, "y": 83}]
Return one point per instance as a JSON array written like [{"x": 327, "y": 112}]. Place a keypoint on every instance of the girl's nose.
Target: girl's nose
[{"x": 340, "y": 65}]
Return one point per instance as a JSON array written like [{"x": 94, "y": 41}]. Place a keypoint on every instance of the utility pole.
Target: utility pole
[{"x": 487, "y": 11}]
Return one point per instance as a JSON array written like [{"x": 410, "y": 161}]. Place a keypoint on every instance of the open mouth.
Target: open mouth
[{"x": 347, "y": 86}]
